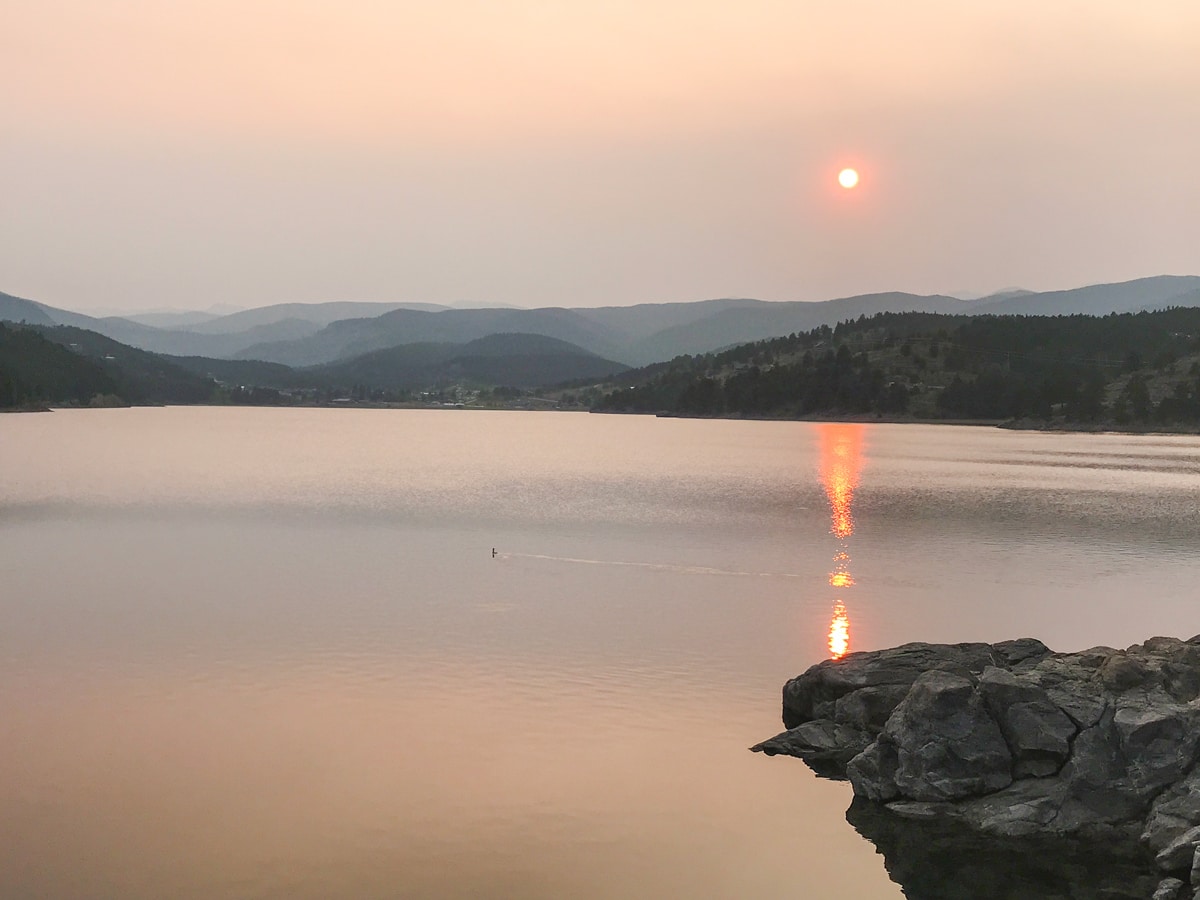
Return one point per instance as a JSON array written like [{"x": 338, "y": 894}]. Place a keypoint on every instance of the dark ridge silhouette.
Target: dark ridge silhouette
[
  {"x": 37, "y": 371},
  {"x": 517, "y": 360}
]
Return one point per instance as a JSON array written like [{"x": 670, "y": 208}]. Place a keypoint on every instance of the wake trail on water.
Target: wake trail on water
[{"x": 662, "y": 567}]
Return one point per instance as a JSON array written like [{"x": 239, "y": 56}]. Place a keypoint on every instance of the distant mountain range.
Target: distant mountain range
[
  {"x": 515, "y": 360},
  {"x": 325, "y": 334},
  {"x": 1147, "y": 294},
  {"x": 55, "y": 364}
]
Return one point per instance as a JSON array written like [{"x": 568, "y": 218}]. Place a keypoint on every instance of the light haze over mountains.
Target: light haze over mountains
[{"x": 300, "y": 334}]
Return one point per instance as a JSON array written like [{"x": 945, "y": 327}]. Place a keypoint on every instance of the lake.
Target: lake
[{"x": 307, "y": 653}]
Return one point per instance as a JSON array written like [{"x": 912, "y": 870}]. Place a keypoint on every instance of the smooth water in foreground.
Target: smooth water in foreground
[{"x": 270, "y": 653}]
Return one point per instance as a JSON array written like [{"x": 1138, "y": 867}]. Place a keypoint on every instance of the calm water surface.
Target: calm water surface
[{"x": 269, "y": 653}]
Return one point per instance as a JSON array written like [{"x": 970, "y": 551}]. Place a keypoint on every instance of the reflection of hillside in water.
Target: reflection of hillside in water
[{"x": 841, "y": 465}]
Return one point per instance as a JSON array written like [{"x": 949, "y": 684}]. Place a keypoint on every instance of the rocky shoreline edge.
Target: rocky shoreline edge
[{"x": 1007, "y": 770}]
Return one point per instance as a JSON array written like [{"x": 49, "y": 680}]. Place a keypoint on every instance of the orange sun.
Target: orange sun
[{"x": 848, "y": 178}]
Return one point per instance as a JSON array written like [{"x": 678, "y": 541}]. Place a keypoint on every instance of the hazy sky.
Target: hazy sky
[{"x": 176, "y": 153}]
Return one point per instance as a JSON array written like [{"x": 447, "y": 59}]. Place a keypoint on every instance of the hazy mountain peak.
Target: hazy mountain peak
[
  {"x": 18, "y": 309},
  {"x": 972, "y": 296}
]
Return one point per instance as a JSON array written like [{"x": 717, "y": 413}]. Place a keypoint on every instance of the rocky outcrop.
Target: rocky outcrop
[{"x": 1011, "y": 745}]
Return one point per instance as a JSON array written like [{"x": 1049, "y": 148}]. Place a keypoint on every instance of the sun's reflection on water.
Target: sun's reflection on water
[
  {"x": 839, "y": 631},
  {"x": 841, "y": 465},
  {"x": 840, "y": 576}
]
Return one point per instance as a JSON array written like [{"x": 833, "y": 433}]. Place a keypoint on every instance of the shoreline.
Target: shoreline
[
  {"x": 858, "y": 418},
  {"x": 1033, "y": 425},
  {"x": 1039, "y": 425}
]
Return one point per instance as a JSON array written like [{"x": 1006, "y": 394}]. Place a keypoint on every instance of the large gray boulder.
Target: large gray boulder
[
  {"x": 945, "y": 743},
  {"x": 1013, "y": 742}
]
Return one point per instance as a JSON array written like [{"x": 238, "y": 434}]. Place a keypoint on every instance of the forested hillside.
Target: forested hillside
[
  {"x": 1141, "y": 368},
  {"x": 138, "y": 376},
  {"x": 35, "y": 371},
  {"x": 41, "y": 365}
]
